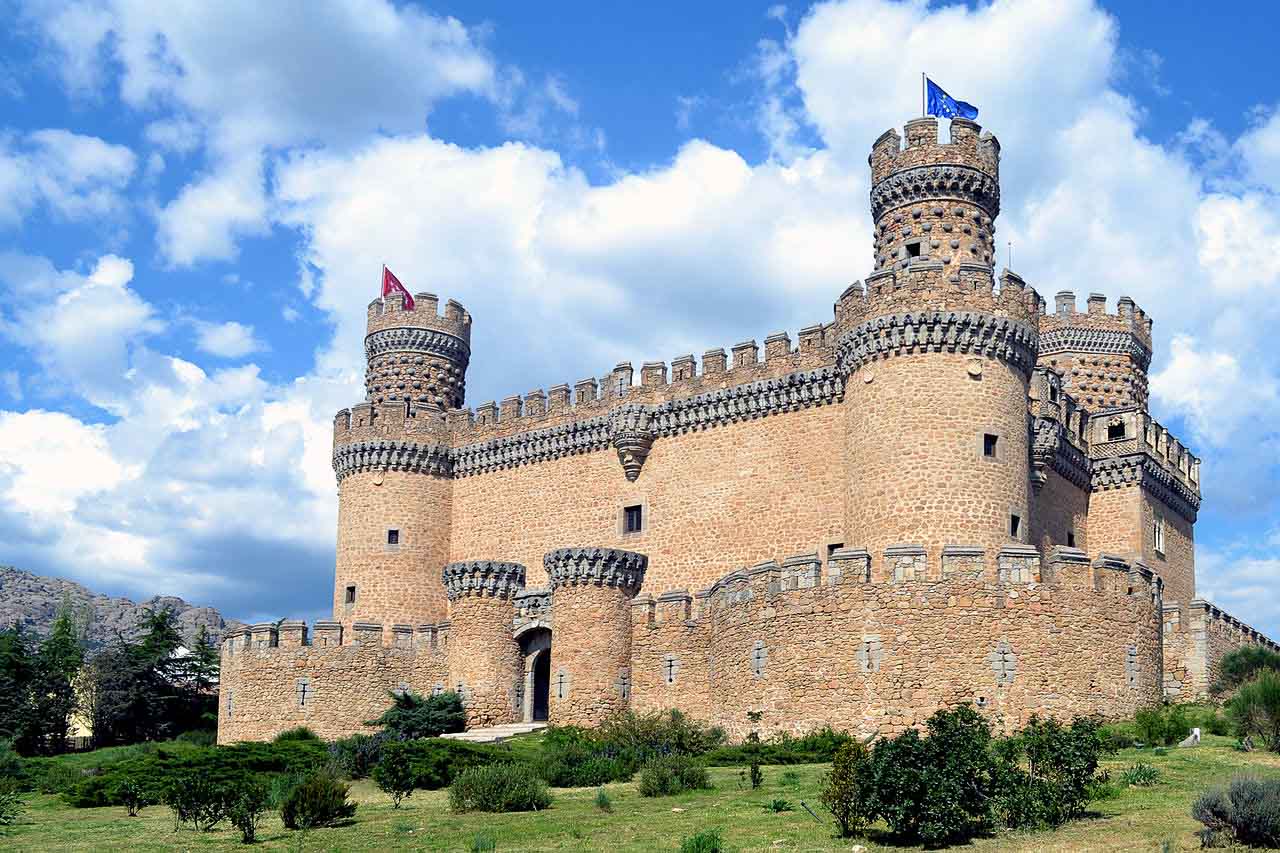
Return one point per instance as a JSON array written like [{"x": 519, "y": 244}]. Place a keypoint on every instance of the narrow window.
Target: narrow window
[
  {"x": 1015, "y": 526},
  {"x": 622, "y": 385},
  {"x": 1071, "y": 539},
  {"x": 351, "y": 594},
  {"x": 393, "y": 537},
  {"x": 989, "y": 445},
  {"x": 1115, "y": 432},
  {"x": 913, "y": 250},
  {"x": 633, "y": 519},
  {"x": 1158, "y": 535},
  {"x": 1053, "y": 393}
]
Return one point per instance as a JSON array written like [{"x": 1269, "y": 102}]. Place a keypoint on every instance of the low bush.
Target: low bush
[
  {"x": 11, "y": 805},
  {"x": 573, "y": 757},
  {"x": 707, "y": 841},
  {"x": 247, "y": 806},
  {"x": 1140, "y": 775},
  {"x": 412, "y": 716},
  {"x": 134, "y": 795},
  {"x": 672, "y": 774},
  {"x": 319, "y": 799},
  {"x": 603, "y": 801},
  {"x": 1242, "y": 665},
  {"x": 1255, "y": 709},
  {"x": 1162, "y": 726},
  {"x": 636, "y": 738},
  {"x": 294, "y": 734},
  {"x": 1116, "y": 738},
  {"x": 1046, "y": 773},
  {"x": 394, "y": 772},
  {"x": 777, "y": 805},
  {"x": 437, "y": 762},
  {"x": 10, "y": 762},
  {"x": 199, "y": 737},
  {"x": 844, "y": 788},
  {"x": 155, "y": 770},
  {"x": 813, "y": 748},
  {"x": 199, "y": 800},
  {"x": 1247, "y": 812},
  {"x": 356, "y": 756},
  {"x": 484, "y": 841},
  {"x": 499, "y": 788}
]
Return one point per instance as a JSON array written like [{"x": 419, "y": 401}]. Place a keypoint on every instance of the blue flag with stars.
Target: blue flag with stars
[{"x": 942, "y": 104}]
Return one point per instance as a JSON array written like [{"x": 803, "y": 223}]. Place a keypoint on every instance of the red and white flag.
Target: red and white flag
[{"x": 391, "y": 284}]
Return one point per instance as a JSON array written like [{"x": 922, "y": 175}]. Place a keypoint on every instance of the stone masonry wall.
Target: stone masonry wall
[
  {"x": 1060, "y": 507},
  {"x": 881, "y": 657},
  {"x": 1176, "y": 564},
  {"x": 394, "y": 583},
  {"x": 332, "y": 689},
  {"x": 1197, "y": 639}
]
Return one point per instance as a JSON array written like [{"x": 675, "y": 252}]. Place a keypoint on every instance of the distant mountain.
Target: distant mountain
[{"x": 33, "y": 602}]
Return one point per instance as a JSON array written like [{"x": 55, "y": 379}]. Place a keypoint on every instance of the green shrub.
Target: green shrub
[
  {"x": 296, "y": 733},
  {"x": 394, "y": 772},
  {"x": 498, "y": 788},
  {"x": 1255, "y": 709},
  {"x": 1045, "y": 774},
  {"x": 247, "y": 806},
  {"x": 1242, "y": 665},
  {"x": 1162, "y": 726},
  {"x": 318, "y": 800},
  {"x": 54, "y": 776},
  {"x": 707, "y": 841},
  {"x": 437, "y": 762},
  {"x": 156, "y": 768},
  {"x": 790, "y": 778},
  {"x": 356, "y": 756},
  {"x": 134, "y": 795},
  {"x": 1247, "y": 813},
  {"x": 672, "y": 774},
  {"x": 280, "y": 787},
  {"x": 412, "y": 716},
  {"x": 813, "y": 748},
  {"x": 636, "y": 738},
  {"x": 11, "y": 765},
  {"x": 844, "y": 789},
  {"x": 778, "y": 805},
  {"x": 199, "y": 800},
  {"x": 1116, "y": 738},
  {"x": 603, "y": 801},
  {"x": 484, "y": 841},
  {"x": 11, "y": 805},
  {"x": 199, "y": 737},
  {"x": 573, "y": 757},
  {"x": 1140, "y": 775}
]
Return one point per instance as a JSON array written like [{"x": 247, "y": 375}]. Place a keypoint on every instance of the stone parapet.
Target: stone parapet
[
  {"x": 611, "y": 567},
  {"x": 483, "y": 578}
]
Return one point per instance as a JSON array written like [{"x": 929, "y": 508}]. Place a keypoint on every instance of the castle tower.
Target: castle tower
[
  {"x": 591, "y": 593},
  {"x": 1103, "y": 358},
  {"x": 484, "y": 659},
  {"x": 395, "y": 490},
  {"x": 938, "y": 359}
]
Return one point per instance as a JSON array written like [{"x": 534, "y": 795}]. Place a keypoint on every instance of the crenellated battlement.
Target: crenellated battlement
[
  {"x": 918, "y": 146},
  {"x": 906, "y": 569},
  {"x": 930, "y": 286},
  {"x": 1103, "y": 356},
  {"x": 390, "y": 313},
  {"x": 287, "y": 636},
  {"x": 1129, "y": 447}
]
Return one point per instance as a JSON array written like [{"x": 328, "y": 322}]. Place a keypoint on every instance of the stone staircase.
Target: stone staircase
[{"x": 495, "y": 734}]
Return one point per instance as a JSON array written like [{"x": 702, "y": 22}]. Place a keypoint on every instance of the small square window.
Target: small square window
[
  {"x": 633, "y": 519},
  {"x": 351, "y": 595},
  {"x": 1015, "y": 526},
  {"x": 989, "y": 445},
  {"x": 1115, "y": 432},
  {"x": 393, "y": 537},
  {"x": 832, "y": 548},
  {"x": 913, "y": 250},
  {"x": 1071, "y": 539}
]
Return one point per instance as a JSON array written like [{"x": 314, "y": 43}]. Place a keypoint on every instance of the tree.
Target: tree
[
  {"x": 413, "y": 716},
  {"x": 393, "y": 773},
  {"x": 842, "y": 789},
  {"x": 17, "y": 673},
  {"x": 53, "y": 689}
]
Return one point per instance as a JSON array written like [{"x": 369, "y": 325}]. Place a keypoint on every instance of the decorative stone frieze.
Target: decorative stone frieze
[
  {"x": 1052, "y": 449},
  {"x": 1108, "y": 341},
  {"x": 426, "y": 341},
  {"x": 392, "y": 455},
  {"x": 938, "y": 331},
  {"x": 534, "y": 446},
  {"x": 1141, "y": 470},
  {"x": 632, "y": 431},
  {"x": 596, "y": 567},
  {"x": 485, "y": 578},
  {"x": 931, "y": 183}
]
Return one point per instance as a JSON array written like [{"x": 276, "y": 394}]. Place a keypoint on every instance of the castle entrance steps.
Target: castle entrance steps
[{"x": 495, "y": 734}]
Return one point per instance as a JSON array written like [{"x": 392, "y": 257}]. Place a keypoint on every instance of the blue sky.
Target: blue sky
[{"x": 195, "y": 201}]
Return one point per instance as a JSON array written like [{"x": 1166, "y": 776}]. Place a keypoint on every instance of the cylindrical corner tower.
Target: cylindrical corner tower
[
  {"x": 938, "y": 360},
  {"x": 484, "y": 658},
  {"x": 395, "y": 489},
  {"x": 591, "y": 592}
]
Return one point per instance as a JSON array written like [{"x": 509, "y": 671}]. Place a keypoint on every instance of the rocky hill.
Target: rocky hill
[{"x": 33, "y": 602}]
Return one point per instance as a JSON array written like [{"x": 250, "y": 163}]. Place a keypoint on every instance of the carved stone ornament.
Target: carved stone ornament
[
  {"x": 633, "y": 432},
  {"x": 483, "y": 578},
  {"x": 595, "y": 567}
]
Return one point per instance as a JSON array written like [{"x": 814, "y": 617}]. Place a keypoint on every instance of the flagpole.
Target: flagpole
[{"x": 924, "y": 96}]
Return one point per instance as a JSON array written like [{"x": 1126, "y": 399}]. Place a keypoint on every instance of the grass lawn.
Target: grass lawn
[{"x": 1138, "y": 819}]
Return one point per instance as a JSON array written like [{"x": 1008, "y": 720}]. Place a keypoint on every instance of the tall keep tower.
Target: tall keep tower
[
  {"x": 394, "y": 473},
  {"x": 939, "y": 359}
]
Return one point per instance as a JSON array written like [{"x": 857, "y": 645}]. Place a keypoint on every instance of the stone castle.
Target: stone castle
[{"x": 949, "y": 492}]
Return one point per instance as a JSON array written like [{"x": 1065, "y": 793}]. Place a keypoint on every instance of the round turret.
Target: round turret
[
  {"x": 416, "y": 355},
  {"x": 935, "y": 201}
]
